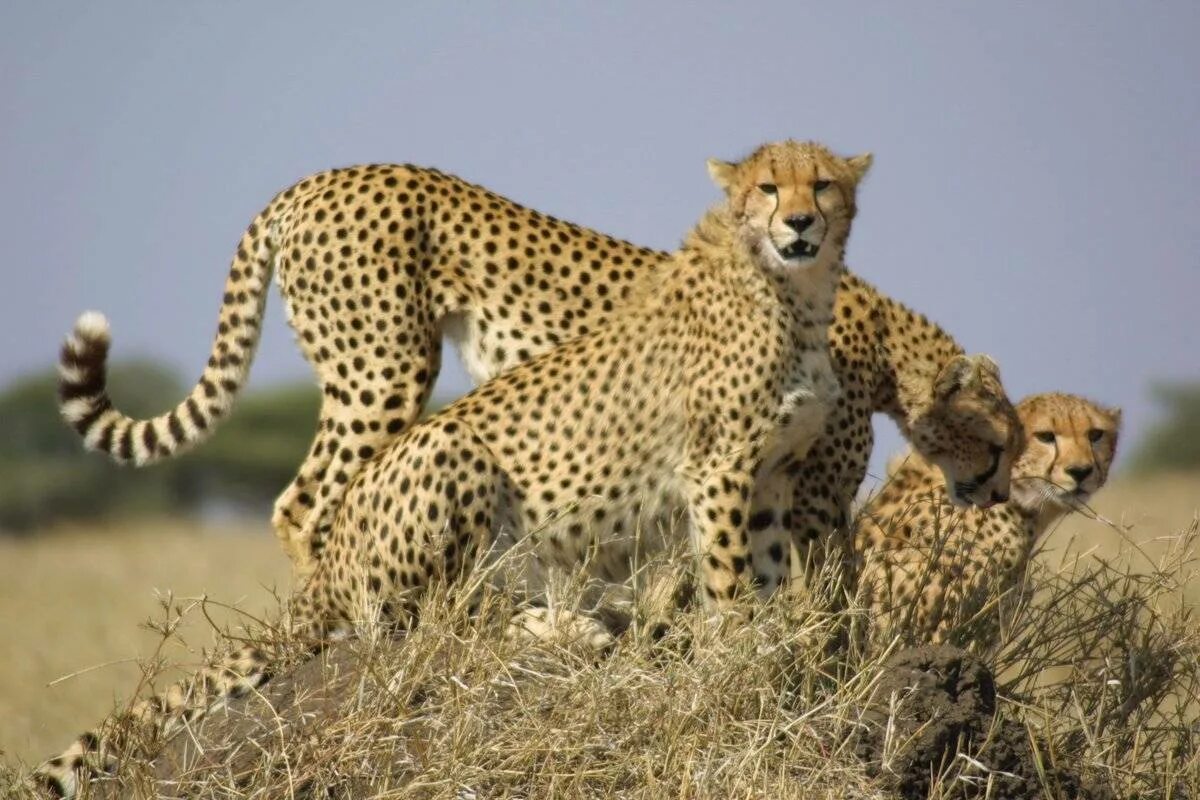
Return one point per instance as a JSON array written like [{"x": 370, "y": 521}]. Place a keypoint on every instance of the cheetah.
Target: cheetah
[
  {"x": 377, "y": 263},
  {"x": 929, "y": 566},
  {"x": 690, "y": 405}
]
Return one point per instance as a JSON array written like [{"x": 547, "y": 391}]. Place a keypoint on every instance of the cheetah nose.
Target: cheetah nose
[
  {"x": 1079, "y": 473},
  {"x": 799, "y": 222},
  {"x": 999, "y": 497}
]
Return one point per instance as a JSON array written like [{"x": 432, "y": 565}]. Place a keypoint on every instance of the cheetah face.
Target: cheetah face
[
  {"x": 970, "y": 430},
  {"x": 1069, "y": 450},
  {"x": 793, "y": 201}
]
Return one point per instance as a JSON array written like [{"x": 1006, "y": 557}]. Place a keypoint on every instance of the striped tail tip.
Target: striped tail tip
[
  {"x": 92, "y": 326},
  {"x": 82, "y": 372}
]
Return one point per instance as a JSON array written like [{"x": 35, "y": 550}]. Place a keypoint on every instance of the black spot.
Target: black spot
[{"x": 761, "y": 519}]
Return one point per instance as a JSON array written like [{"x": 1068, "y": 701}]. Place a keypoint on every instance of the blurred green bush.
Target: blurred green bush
[
  {"x": 1174, "y": 443},
  {"x": 45, "y": 476}
]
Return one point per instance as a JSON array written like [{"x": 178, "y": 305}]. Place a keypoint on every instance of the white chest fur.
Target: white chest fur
[{"x": 802, "y": 411}]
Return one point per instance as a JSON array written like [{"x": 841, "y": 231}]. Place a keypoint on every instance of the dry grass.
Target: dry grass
[
  {"x": 1149, "y": 510},
  {"x": 1102, "y": 665},
  {"x": 76, "y": 600},
  {"x": 460, "y": 710}
]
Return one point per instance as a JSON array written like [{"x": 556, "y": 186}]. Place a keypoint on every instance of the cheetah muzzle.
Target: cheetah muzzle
[{"x": 798, "y": 250}]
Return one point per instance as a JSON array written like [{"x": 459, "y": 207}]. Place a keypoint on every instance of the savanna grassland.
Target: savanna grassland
[
  {"x": 76, "y": 602},
  {"x": 764, "y": 711}
]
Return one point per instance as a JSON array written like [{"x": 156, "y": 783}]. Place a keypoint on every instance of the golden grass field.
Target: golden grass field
[
  {"x": 78, "y": 599},
  {"x": 74, "y": 601}
]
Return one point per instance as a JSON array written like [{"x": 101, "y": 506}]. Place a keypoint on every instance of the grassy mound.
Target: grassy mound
[{"x": 1091, "y": 688}]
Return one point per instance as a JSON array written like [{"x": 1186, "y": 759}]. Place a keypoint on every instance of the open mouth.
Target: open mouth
[
  {"x": 798, "y": 249},
  {"x": 960, "y": 496},
  {"x": 965, "y": 488}
]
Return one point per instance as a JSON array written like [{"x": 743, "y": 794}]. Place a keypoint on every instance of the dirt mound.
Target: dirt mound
[
  {"x": 363, "y": 718},
  {"x": 935, "y": 714},
  {"x": 466, "y": 713},
  {"x": 293, "y": 710}
]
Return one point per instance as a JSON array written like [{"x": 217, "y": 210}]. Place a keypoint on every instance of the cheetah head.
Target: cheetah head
[
  {"x": 792, "y": 201},
  {"x": 1070, "y": 447},
  {"x": 968, "y": 428}
]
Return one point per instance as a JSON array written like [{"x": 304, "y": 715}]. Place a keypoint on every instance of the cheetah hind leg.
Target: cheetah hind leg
[
  {"x": 293, "y": 507},
  {"x": 355, "y": 424}
]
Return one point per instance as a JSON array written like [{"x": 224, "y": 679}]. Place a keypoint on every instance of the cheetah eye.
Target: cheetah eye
[
  {"x": 1095, "y": 435},
  {"x": 1045, "y": 436},
  {"x": 819, "y": 186},
  {"x": 995, "y": 450},
  {"x": 767, "y": 188}
]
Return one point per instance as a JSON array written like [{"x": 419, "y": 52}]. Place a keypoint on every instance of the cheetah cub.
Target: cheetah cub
[
  {"x": 690, "y": 406},
  {"x": 928, "y": 566}
]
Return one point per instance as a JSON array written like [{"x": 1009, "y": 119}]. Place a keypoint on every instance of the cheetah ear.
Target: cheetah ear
[
  {"x": 860, "y": 165},
  {"x": 987, "y": 365},
  {"x": 1115, "y": 413},
  {"x": 955, "y": 376},
  {"x": 722, "y": 173}
]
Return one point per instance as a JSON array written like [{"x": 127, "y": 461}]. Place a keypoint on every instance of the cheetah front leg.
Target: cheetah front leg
[
  {"x": 561, "y": 627},
  {"x": 720, "y": 511},
  {"x": 825, "y": 480},
  {"x": 770, "y": 536}
]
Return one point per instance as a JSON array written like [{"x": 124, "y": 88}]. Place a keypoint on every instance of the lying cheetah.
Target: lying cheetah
[
  {"x": 376, "y": 263},
  {"x": 929, "y": 566},
  {"x": 694, "y": 402}
]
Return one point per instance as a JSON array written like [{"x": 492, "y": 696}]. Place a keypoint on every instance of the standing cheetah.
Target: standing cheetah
[
  {"x": 376, "y": 263},
  {"x": 929, "y": 566},
  {"x": 693, "y": 403}
]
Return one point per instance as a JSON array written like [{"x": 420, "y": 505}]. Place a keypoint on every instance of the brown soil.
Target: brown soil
[{"x": 941, "y": 705}]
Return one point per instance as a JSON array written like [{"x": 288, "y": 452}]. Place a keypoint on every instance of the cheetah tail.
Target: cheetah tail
[
  {"x": 83, "y": 392},
  {"x": 99, "y": 752}
]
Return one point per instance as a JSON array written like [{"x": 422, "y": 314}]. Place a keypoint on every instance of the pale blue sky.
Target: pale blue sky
[{"x": 1035, "y": 187}]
